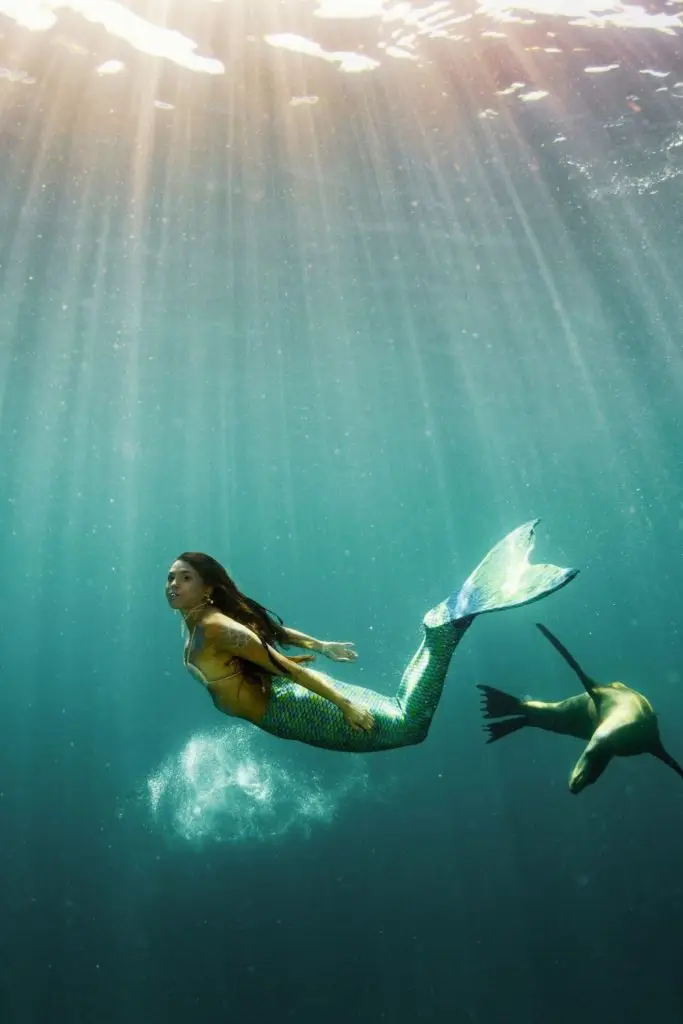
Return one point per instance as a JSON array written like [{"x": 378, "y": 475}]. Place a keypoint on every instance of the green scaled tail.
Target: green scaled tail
[{"x": 505, "y": 578}]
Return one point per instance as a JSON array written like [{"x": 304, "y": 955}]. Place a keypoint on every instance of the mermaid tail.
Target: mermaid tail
[{"x": 504, "y": 579}]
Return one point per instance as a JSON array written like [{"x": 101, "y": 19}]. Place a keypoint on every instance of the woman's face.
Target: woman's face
[{"x": 185, "y": 589}]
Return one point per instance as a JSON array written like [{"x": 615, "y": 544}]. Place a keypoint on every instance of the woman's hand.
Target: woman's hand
[
  {"x": 357, "y": 718},
  {"x": 338, "y": 651}
]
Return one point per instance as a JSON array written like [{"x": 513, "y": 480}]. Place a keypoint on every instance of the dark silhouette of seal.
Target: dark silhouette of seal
[{"x": 615, "y": 720}]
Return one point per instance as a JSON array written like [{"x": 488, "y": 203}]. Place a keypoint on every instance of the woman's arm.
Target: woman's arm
[
  {"x": 297, "y": 639},
  {"x": 336, "y": 651},
  {"x": 231, "y": 637}
]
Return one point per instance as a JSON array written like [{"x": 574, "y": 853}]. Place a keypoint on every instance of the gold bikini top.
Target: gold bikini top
[{"x": 197, "y": 672}]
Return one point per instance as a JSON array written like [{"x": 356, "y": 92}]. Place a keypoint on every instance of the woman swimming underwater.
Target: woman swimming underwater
[{"x": 232, "y": 650}]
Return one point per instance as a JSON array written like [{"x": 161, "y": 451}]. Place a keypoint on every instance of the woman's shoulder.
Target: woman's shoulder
[{"x": 218, "y": 627}]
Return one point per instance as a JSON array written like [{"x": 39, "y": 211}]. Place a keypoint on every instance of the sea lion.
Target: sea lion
[{"x": 615, "y": 720}]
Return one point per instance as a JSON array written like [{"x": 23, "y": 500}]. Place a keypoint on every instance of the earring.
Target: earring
[{"x": 208, "y": 599}]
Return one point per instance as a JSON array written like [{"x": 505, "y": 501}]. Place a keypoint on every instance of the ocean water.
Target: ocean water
[{"x": 340, "y": 293}]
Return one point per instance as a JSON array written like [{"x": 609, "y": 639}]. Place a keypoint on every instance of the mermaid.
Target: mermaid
[{"x": 232, "y": 648}]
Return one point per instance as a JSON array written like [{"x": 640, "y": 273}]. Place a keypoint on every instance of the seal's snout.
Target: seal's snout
[{"x": 585, "y": 771}]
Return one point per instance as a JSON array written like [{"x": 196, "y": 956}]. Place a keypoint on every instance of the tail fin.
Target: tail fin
[
  {"x": 497, "y": 703},
  {"x": 588, "y": 683},
  {"x": 498, "y": 730},
  {"x": 504, "y": 579}
]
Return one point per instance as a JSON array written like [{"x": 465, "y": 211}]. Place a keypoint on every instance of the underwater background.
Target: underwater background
[{"x": 340, "y": 293}]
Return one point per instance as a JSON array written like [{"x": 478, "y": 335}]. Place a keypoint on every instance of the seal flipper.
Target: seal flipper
[
  {"x": 497, "y": 703},
  {"x": 660, "y": 753},
  {"x": 498, "y": 730},
  {"x": 588, "y": 683}
]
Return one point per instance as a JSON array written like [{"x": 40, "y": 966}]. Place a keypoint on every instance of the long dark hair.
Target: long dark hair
[{"x": 229, "y": 599}]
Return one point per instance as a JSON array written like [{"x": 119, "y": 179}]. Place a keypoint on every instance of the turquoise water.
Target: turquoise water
[{"x": 342, "y": 330}]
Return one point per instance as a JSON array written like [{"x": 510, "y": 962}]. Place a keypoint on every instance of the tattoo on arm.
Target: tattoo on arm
[{"x": 235, "y": 637}]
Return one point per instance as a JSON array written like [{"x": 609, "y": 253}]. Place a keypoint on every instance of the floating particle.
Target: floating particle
[
  {"x": 299, "y": 101},
  {"x": 531, "y": 97},
  {"x": 111, "y": 67}
]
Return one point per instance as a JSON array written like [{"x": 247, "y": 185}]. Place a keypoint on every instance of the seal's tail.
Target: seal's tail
[
  {"x": 504, "y": 579},
  {"x": 498, "y": 704}
]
